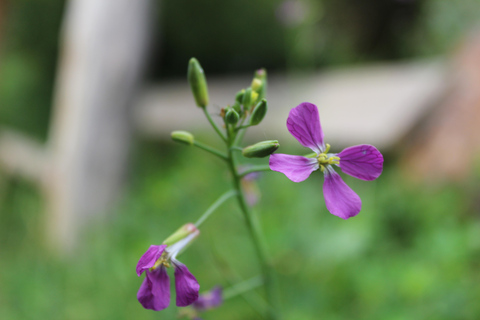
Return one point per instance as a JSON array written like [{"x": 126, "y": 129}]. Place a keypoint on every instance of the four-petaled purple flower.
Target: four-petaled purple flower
[
  {"x": 363, "y": 162},
  {"x": 154, "y": 293}
]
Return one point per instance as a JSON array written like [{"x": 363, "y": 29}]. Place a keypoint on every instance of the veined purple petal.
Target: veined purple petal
[
  {"x": 339, "y": 198},
  {"x": 296, "y": 168},
  {"x": 186, "y": 285},
  {"x": 149, "y": 258},
  {"x": 154, "y": 293},
  {"x": 304, "y": 124},
  {"x": 363, "y": 162},
  {"x": 209, "y": 300}
]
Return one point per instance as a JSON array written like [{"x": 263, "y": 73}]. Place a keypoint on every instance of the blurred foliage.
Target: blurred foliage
[
  {"x": 28, "y": 57},
  {"x": 412, "y": 253},
  {"x": 231, "y": 37}
]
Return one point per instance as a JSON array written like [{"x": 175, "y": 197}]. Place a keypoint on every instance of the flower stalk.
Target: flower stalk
[
  {"x": 248, "y": 109},
  {"x": 256, "y": 235}
]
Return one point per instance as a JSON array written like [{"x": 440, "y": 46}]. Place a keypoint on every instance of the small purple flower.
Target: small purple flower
[
  {"x": 209, "y": 300},
  {"x": 363, "y": 162},
  {"x": 154, "y": 293},
  {"x": 206, "y": 301},
  {"x": 249, "y": 185}
]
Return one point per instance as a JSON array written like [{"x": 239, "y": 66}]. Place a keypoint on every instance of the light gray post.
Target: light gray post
[{"x": 102, "y": 55}]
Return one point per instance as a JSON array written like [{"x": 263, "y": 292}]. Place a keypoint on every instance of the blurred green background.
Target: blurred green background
[{"x": 412, "y": 253}]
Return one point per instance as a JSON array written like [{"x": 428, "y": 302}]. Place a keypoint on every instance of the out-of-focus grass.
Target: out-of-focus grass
[{"x": 412, "y": 253}]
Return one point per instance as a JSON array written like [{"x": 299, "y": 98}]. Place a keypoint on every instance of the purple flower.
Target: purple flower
[
  {"x": 249, "y": 185},
  {"x": 206, "y": 301},
  {"x": 363, "y": 162},
  {"x": 209, "y": 300},
  {"x": 154, "y": 293}
]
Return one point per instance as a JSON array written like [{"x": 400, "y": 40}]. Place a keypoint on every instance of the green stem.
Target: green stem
[
  {"x": 263, "y": 167},
  {"x": 256, "y": 236},
  {"x": 242, "y": 287},
  {"x": 245, "y": 126},
  {"x": 214, "y": 125},
  {"x": 239, "y": 134},
  {"x": 210, "y": 149},
  {"x": 224, "y": 197}
]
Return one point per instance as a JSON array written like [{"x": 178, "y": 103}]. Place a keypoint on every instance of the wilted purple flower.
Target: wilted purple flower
[
  {"x": 363, "y": 162},
  {"x": 154, "y": 293}
]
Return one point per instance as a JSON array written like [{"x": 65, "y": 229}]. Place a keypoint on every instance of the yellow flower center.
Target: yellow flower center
[
  {"x": 162, "y": 261},
  {"x": 325, "y": 159}
]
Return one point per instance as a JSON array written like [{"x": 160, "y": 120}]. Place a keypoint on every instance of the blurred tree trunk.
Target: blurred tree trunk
[{"x": 102, "y": 56}]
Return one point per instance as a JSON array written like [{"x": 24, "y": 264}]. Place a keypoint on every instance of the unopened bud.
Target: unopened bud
[
  {"x": 183, "y": 137},
  {"x": 237, "y": 107},
  {"x": 261, "y": 149},
  {"x": 198, "y": 83},
  {"x": 258, "y": 113},
  {"x": 247, "y": 98},
  {"x": 261, "y": 76},
  {"x": 231, "y": 116},
  {"x": 239, "y": 96},
  {"x": 254, "y": 98},
  {"x": 256, "y": 84},
  {"x": 181, "y": 233}
]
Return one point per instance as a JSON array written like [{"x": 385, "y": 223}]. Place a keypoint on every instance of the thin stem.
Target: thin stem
[
  {"x": 214, "y": 125},
  {"x": 242, "y": 287},
  {"x": 263, "y": 167},
  {"x": 210, "y": 149},
  {"x": 257, "y": 239},
  {"x": 255, "y": 301},
  {"x": 245, "y": 126},
  {"x": 239, "y": 133},
  {"x": 224, "y": 197}
]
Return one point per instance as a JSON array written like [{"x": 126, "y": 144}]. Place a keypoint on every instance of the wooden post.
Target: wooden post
[
  {"x": 102, "y": 55},
  {"x": 446, "y": 146}
]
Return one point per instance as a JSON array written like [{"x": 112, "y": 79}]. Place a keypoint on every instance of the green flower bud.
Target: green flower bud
[
  {"x": 181, "y": 233},
  {"x": 259, "y": 112},
  {"x": 247, "y": 99},
  {"x": 237, "y": 107},
  {"x": 253, "y": 98},
  {"x": 198, "y": 82},
  {"x": 256, "y": 84},
  {"x": 261, "y": 149},
  {"x": 239, "y": 96},
  {"x": 260, "y": 75},
  {"x": 183, "y": 137},
  {"x": 231, "y": 116}
]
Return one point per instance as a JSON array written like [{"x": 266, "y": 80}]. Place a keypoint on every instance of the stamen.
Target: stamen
[
  {"x": 327, "y": 148},
  {"x": 162, "y": 261}
]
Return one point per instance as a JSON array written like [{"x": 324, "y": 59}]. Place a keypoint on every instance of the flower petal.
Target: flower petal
[
  {"x": 154, "y": 293},
  {"x": 304, "y": 124},
  {"x": 209, "y": 300},
  {"x": 339, "y": 198},
  {"x": 363, "y": 162},
  {"x": 296, "y": 168},
  {"x": 186, "y": 285},
  {"x": 149, "y": 258}
]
